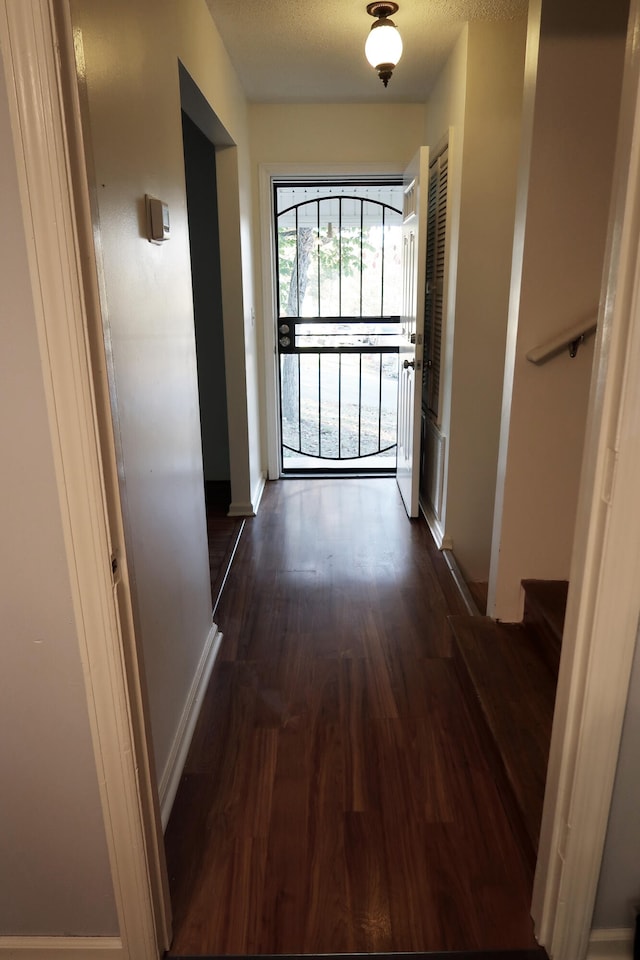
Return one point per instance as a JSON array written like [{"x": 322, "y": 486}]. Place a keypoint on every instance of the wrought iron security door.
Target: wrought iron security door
[{"x": 339, "y": 271}]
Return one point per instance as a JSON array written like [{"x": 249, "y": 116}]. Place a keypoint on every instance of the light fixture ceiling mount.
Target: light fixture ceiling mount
[{"x": 383, "y": 48}]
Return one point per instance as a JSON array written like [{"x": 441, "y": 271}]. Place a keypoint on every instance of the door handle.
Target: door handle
[{"x": 409, "y": 363}]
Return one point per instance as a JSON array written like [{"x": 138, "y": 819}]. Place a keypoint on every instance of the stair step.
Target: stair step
[
  {"x": 544, "y": 609},
  {"x": 479, "y": 590},
  {"x": 514, "y": 690}
]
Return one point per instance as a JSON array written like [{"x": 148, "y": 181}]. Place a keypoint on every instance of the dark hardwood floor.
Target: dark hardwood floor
[
  {"x": 503, "y": 670},
  {"x": 223, "y": 534},
  {"x": 337, "y": 797}
]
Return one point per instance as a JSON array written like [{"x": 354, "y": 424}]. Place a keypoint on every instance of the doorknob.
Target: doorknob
[{"x": 409, "y": 363}]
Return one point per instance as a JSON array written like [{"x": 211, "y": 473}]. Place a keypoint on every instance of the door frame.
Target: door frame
[
  {"x": 196, "y": 108},
  {"x": 603, "y": 609},
  {"x": 267, "y": 174},
  {"x": 37, "y": 51}
]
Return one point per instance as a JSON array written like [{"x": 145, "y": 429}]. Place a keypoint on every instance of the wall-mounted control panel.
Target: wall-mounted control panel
[{"x": 157, "y": 219}]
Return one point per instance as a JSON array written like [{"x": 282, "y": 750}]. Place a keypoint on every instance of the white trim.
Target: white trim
[
  {"x": 329, "y": 171},
  {"x": 442, "y": 541},
  {"x": 267, "y": 174},
  {"x": 36, "y": 93},
  {"x": 603, "y": 604},
  {"x": 88, "y": 227},
  {"x": 184, "y": 734},
  {"x": 461, "y": 583},
  {"x": 82, "y": 948},
  {"x": 614, "y": 944},
  {"x": 256, "y": 497},
  {"x": 239, "y": 508}
]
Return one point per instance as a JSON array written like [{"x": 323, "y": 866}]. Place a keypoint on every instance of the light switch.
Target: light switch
[{"x": 157, "y": 219}]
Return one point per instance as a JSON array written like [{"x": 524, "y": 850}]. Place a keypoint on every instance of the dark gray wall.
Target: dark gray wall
[{"x": 204, "y": 239}]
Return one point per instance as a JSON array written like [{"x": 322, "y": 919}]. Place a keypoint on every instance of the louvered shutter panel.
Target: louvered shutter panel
[{"x": 434, "y": 301}]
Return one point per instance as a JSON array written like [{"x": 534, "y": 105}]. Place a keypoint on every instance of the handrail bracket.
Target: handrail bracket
[{"x": 573, "y": 346}]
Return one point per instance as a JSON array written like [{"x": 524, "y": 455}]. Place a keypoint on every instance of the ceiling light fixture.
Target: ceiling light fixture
[{"x": 383, "y": 48}]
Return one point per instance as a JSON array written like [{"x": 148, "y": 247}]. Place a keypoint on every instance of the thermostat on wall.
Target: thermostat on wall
[{"x": 157, "y": 219}]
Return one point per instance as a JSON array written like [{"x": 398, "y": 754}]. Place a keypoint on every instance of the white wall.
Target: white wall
[
  {"x": 572, "y": 97},
  {"x": 479, "y": 96},
  {"x": 446, "y": 104},
  {"x": 130, "y": 79},
  {"x": 335, "y": 133},
  {"x": 50, "y": 882}
]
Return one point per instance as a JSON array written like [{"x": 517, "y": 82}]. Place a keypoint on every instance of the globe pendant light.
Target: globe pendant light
[{"x": 383, "y": 48}]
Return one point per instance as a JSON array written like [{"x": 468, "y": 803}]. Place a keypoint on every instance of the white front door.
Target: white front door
[{"x": 414, "y": 249}]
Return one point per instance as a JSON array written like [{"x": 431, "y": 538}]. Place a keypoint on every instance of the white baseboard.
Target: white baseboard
[
  {"x": 611, "y": 944},
  {"x": 460, "y": 582},
  {"x": 442, "y": 542},
  {"x": 61, "y": 948},
  {"x": 182, "y": 741},
  {"x": 239, "y": 508},
  {"x": 256, "y": 496}
]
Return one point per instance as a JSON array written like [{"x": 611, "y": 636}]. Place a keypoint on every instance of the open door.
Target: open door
[{"x": 414, "y": 250}]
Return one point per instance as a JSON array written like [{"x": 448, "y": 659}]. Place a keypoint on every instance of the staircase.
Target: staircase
[
  {"x": 544, "y": 608},
  {"x": 509, "y": 672}
]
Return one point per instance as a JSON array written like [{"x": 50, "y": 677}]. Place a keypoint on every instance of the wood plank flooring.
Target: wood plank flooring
[
  {"x": 337, "y": 798},
  {"x": 515, "y": 689},
  {"x": 223, "y": 534}
]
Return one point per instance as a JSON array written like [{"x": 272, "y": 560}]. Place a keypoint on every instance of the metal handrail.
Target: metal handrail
[{"x": 570, "y": 339}]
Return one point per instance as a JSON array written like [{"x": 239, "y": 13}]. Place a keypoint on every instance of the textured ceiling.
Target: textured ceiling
[{"x": 299, "y": 51}]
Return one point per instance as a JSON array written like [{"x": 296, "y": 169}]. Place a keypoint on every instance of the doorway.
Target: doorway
[
  {"x": 338, "y": 279},
  {"x": 201, "y": 183},
  {"x": 204, "y": 241}
]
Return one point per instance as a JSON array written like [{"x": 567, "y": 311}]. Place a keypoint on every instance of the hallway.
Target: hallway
[{"x": 336, "y": 798}]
